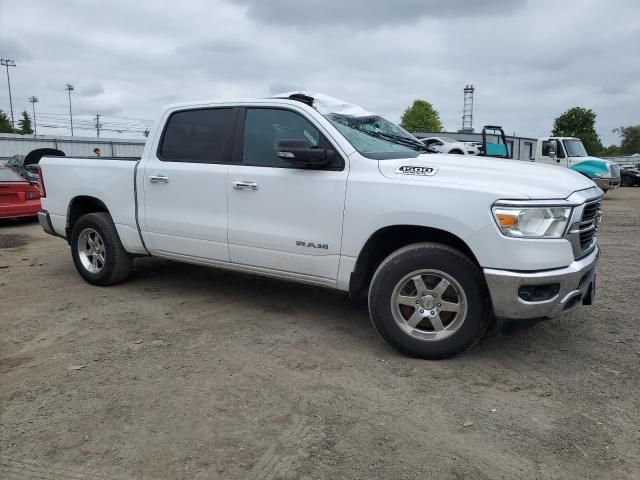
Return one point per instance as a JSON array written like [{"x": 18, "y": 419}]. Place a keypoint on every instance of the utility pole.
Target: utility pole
[
  {"x": 69, "y": 88},
  {"x": 9, "y": 63},
  {"x": 98, "y": 125},
  {"x": 33, "y": 101}
]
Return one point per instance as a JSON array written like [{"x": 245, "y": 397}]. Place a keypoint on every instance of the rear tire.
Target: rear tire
[
  {"x": 97, "y": 251},
  {"x": 429, "y": 301}
]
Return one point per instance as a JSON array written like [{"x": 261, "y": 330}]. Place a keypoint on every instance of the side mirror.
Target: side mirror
[
  {"x": 553, "y": 149},
  {"x": 299, "y": 153}
]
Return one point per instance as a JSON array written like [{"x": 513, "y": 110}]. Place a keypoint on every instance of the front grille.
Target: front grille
[
  {"x": 591, "y": 211},
  {"x": 586, "y": 238},
  {"x": 583, "y": 232}
]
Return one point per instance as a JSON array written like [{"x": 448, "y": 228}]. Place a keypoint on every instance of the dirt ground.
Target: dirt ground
[{"x": 185, "y": 372}]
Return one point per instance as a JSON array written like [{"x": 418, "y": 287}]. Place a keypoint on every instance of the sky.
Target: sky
[{"x": 529, "y": 60}]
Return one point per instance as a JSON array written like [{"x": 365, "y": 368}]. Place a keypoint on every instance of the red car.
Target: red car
[{"x": 18, "y": 198}]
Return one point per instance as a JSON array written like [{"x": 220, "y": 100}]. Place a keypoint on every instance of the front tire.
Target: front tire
[
  {"x": 456, "y": 152},
  {"x": 97, "y": 251},
  {"x": 429, "y": 301}
]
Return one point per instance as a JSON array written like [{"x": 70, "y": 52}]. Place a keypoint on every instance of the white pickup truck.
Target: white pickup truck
[
  {"x": 569, "y": 152},
  {"x": 311, "y": 189}
]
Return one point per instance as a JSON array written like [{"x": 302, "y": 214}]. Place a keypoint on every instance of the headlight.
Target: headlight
[
  {"x": 601, "y": 174},
  {"x": 532, "y": 222}
]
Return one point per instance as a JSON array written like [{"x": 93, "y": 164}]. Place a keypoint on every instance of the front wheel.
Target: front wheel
[
  {"x": 97, "y": 251},
  {"x": 429, "y": 301}
]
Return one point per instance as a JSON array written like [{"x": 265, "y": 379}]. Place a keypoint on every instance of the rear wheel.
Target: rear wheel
[
  {"x": 97, "y": 251},
  {"x": 429, "y": 301}
]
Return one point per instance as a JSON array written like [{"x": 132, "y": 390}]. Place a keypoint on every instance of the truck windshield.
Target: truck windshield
[
  {"x": 376, "y": 137},
  {"x": 575, "y": 148}
]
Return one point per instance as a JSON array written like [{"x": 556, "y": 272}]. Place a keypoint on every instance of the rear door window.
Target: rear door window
[{"x": 198, "y": 136}]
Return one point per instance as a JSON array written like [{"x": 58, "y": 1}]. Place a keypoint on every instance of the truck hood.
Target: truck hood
[
  {"x": 512, "y": 179},
  {"x": 593, "y": 166}
]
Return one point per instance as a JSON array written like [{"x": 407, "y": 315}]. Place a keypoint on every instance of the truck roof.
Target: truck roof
[
  {"x": 559, "y": 138},
  {"x": 231, "y": 101},
  {"x": 319, "y": 101}
]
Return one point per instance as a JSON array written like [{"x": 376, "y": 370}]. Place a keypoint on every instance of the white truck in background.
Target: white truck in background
[
  {"x": 311, "y": 189},
  {"x": 569, "y": 152}
]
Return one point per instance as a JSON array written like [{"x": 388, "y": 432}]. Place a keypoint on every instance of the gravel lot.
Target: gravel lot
[{"x": 185, "y": 372}]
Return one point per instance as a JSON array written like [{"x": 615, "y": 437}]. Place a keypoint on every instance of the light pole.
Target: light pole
[
  {"x": 33, "y": 101},
  {"x": 9, "y": 63},
  {"x": 69, "y": 88}
]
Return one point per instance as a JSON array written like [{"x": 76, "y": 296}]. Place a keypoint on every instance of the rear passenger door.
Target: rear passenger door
[
  {"x": 284, "y": 218},
  {"x": 185, "y": 180}
]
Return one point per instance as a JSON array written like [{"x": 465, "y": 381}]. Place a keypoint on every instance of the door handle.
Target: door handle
[
  {"x": 244, "y": 185},
  {"x": 159, "y": 179}
]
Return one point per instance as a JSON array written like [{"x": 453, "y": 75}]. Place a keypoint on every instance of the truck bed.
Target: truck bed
[{"x": 107, "y": 179}]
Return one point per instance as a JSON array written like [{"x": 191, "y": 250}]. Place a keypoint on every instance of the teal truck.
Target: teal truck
[{"x": 569, "y": 152}]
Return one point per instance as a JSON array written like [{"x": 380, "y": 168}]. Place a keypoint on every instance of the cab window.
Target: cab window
[
  {"x": 265, "y": 127},
  {"x": 559, "y": 149}
]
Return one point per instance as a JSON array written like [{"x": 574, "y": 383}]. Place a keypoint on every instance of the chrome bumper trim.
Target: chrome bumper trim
[
  {"x": 607, "y": 183},
  {"x": 45, "y": 223},
  {"x": 504, "y": 284}
]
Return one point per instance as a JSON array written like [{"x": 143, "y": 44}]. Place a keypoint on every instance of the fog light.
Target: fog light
[{"x": 538, "y": 293}]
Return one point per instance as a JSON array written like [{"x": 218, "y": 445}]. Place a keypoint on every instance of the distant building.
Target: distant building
[{"x": 13, "y": 144}]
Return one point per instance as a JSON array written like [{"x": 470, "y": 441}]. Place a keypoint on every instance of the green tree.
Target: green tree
[
  {"x": 421, "y": 117},
  {"x": 24, "y": 124},
  {"x": 630, "y": 136},
  {"x": 5, "y": 123},
  {"x": 611, "y": 151},
  {"x": 580, "y": 123}
]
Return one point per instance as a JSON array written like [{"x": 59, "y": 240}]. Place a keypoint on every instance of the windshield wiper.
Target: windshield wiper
[{"x": 407, "y": 142}]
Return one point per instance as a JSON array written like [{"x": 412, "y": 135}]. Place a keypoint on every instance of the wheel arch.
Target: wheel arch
[
  {"x": 79, "y": 206},
  {"x": 389, "y": 239}
]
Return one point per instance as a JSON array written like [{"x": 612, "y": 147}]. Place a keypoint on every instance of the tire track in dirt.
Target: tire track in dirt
[
  {"x": 280, "y": 458},
  {"x": 22, "y": 470}
]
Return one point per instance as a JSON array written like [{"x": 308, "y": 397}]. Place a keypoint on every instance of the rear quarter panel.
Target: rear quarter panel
[{"x": 110, "y": 181}]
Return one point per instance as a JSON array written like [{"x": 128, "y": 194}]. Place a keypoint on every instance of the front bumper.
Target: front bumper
[
  {"x": 607, "y": 183},
  {"x": 576, "y": 283}
]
